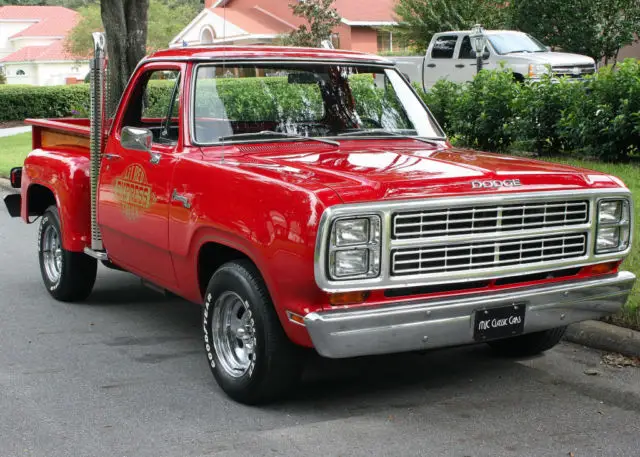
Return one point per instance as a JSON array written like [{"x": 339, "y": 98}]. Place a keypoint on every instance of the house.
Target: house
[
  {"x": 632, "y": 51},
  {"x": 32, "y": 46},
  {"x": 262, "y": 21}
]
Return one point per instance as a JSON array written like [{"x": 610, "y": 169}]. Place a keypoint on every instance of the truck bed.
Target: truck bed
[{"x": 52, "y": 133}]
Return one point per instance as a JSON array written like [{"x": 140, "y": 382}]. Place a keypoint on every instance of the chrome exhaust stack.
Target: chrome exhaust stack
[{"x": 96, "y": 137}]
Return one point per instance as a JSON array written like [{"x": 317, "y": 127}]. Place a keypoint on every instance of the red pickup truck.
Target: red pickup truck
[{"x": 308, "y": 199}]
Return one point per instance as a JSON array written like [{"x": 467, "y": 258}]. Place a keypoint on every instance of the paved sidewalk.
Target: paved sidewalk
[{"x": 14, "y": 131}]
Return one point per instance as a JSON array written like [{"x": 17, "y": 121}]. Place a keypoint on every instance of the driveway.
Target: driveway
[
  {"x": 14, "y": 131},
  {"x": 124, "y": 374}
]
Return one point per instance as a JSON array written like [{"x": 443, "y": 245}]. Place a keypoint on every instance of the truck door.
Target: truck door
[
  {"x": 465, "y": 65},
  {"x": 135, "y": 179},
  {"x": 440, "y": 63}
]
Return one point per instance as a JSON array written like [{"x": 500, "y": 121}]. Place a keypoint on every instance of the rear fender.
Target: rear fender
[{"x": 60, "y": 178}]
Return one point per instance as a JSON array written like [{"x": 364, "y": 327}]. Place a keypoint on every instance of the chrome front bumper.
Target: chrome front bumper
[{"x": 427, "y": 324}]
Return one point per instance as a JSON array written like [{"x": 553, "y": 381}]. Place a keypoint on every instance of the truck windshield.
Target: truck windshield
[
  {"x": 508, "y": 43},
  {"x": 243, "y": 103}
]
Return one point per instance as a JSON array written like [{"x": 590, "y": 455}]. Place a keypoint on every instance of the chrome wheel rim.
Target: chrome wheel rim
[
  {"x": 52, "y": 254},
  {"x": 233, "y": 332}
]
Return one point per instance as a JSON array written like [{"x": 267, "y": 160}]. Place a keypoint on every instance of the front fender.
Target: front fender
[{"x": 272, "y": 222}]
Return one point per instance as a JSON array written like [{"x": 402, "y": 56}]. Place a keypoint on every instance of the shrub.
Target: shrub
[
  {"x": 539, "y": 109},
  {"x": 483, "y": 113},
  {"x": 606, "y": 122},
  {"x": 21, "y": 102},
  {"x": 441, "y": 101}
]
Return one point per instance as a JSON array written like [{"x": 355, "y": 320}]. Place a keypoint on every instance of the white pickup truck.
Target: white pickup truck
[{"x": 451, "y": 56}]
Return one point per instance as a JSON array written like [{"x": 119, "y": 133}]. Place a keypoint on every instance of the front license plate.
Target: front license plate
[{"x": 502, "y": 322}]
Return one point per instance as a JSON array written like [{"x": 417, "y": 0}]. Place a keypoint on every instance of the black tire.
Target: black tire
[
  {"x": 517, "y": 77},
  {"x": 275, "y": 365},
  {"x": 77, "y": 272},
  {"x": 529, "y": 344}
]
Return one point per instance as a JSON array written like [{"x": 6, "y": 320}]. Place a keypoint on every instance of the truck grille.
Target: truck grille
[
  {"x": 573, "y": 71},
  {"x": 484, "y": 255},
  {"x": 481, "y": 219}
]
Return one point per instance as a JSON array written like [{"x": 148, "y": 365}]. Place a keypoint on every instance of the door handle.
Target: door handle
[
  {"x": 460, "y": 65},
  {"x": 431, "y": 65},
  {"x": 110, "y": 156},
  {"x": 176, "y": 197}
]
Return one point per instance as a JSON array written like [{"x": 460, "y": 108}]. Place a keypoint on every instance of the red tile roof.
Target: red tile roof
[
  {"x": 254, "y": 20},
  {"x": 54, "y": 51},
  {"x": 48, "y": 20}
]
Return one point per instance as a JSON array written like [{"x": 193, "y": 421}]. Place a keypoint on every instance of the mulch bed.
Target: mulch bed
[
  {"x": 9, "y": 124},
  {"x": 632, "y": 322}
]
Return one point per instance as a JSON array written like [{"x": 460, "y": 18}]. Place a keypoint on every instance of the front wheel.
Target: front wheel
[
  {"x": 68, "y": 276},
  {"x": 248, "y": 352},
  {"x": 529, "y": 344}
]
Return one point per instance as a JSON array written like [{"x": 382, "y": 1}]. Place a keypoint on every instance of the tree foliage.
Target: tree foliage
[
  {"x": 165, "y": 21},
  {"x": 597, "y": 28},
  {"x": 134, "y": 28},
  {"x": 321, "y": 19},
  {"x": 418, "y": 20}
]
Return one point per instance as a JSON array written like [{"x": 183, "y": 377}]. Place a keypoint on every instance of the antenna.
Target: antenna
[{"x": 224, "y": 55}]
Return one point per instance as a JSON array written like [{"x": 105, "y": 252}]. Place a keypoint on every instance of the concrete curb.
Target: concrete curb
[
  {"x": 5, "y": 185},
  {"x": 607, "y": 337}
]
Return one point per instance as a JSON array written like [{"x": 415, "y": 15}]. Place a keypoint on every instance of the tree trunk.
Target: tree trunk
[{"x": 125, "y": 25}]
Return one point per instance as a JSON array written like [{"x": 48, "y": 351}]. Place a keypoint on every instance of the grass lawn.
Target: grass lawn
[
  {"x": 630, "y": 174},
  {"x": 13, "y": 150}
]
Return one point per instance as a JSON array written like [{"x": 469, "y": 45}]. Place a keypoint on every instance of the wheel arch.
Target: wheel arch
[
  {"x": 211, "y": 256},
  {"x": 38, "y": 198}
]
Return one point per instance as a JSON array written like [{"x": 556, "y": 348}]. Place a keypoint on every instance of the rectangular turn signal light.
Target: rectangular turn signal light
[{"x": 348, "y": 298}]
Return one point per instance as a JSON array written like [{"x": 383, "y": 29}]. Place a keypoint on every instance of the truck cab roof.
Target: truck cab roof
[
  {"x": 487, "y": 32},
  {"x": 266, "y": 53}
]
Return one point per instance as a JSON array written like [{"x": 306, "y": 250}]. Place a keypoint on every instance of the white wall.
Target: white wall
[
  {"x": 55, "y": 74},
  {"x": 46, "y": 73},
  {"x": 193, "y": 30},
  {"x": 31, "y": 76},
  {"x": 7, "y": 29}
]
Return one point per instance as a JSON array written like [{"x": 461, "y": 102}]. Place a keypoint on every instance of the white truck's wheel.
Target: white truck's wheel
[
  {"x": 248, "y": 352},
  {"x": 68, "y": 276}
]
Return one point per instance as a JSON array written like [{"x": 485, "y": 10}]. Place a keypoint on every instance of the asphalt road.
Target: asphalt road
[{"x": 124, "y": 374}]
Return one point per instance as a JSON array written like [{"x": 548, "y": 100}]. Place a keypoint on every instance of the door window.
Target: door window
[
  {"x": 466, "y": 50},
  {"x": 155, "y": 105},
  {"x": 444, "y": 46}
]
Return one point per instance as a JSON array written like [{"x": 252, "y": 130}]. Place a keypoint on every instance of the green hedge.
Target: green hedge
[
  {"x": 249, "y": 99},
  {"x": 597, "y": 118},
  {"x": 20, "y": 102}
]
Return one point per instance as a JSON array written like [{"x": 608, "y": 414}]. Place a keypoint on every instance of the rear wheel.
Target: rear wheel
[
  {"x": 68, "y": 276},
  {"x": 529, "y": 344},
  {"x": 248, "y": 352}
]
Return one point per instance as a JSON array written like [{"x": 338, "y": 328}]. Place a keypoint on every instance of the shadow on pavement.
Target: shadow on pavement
[{"x": 326, "y": 383}]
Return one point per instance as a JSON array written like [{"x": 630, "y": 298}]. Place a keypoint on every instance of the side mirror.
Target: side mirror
[
  {"x": 138, "y": 139},
  {"x": 486, "y": 54},
  {"x": 548, "y": 48}
]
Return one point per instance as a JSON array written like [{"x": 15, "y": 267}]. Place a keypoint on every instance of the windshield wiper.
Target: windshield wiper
[
  {"x": 519, "y": 50},
  {"x": 434, "y": 141},
  {"x": 272, "y": 133}
]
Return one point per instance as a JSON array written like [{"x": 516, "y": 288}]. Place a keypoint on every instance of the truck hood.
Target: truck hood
[
  {"x": 554, "y": 58},
  {"x": 395, "y": 169}
]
